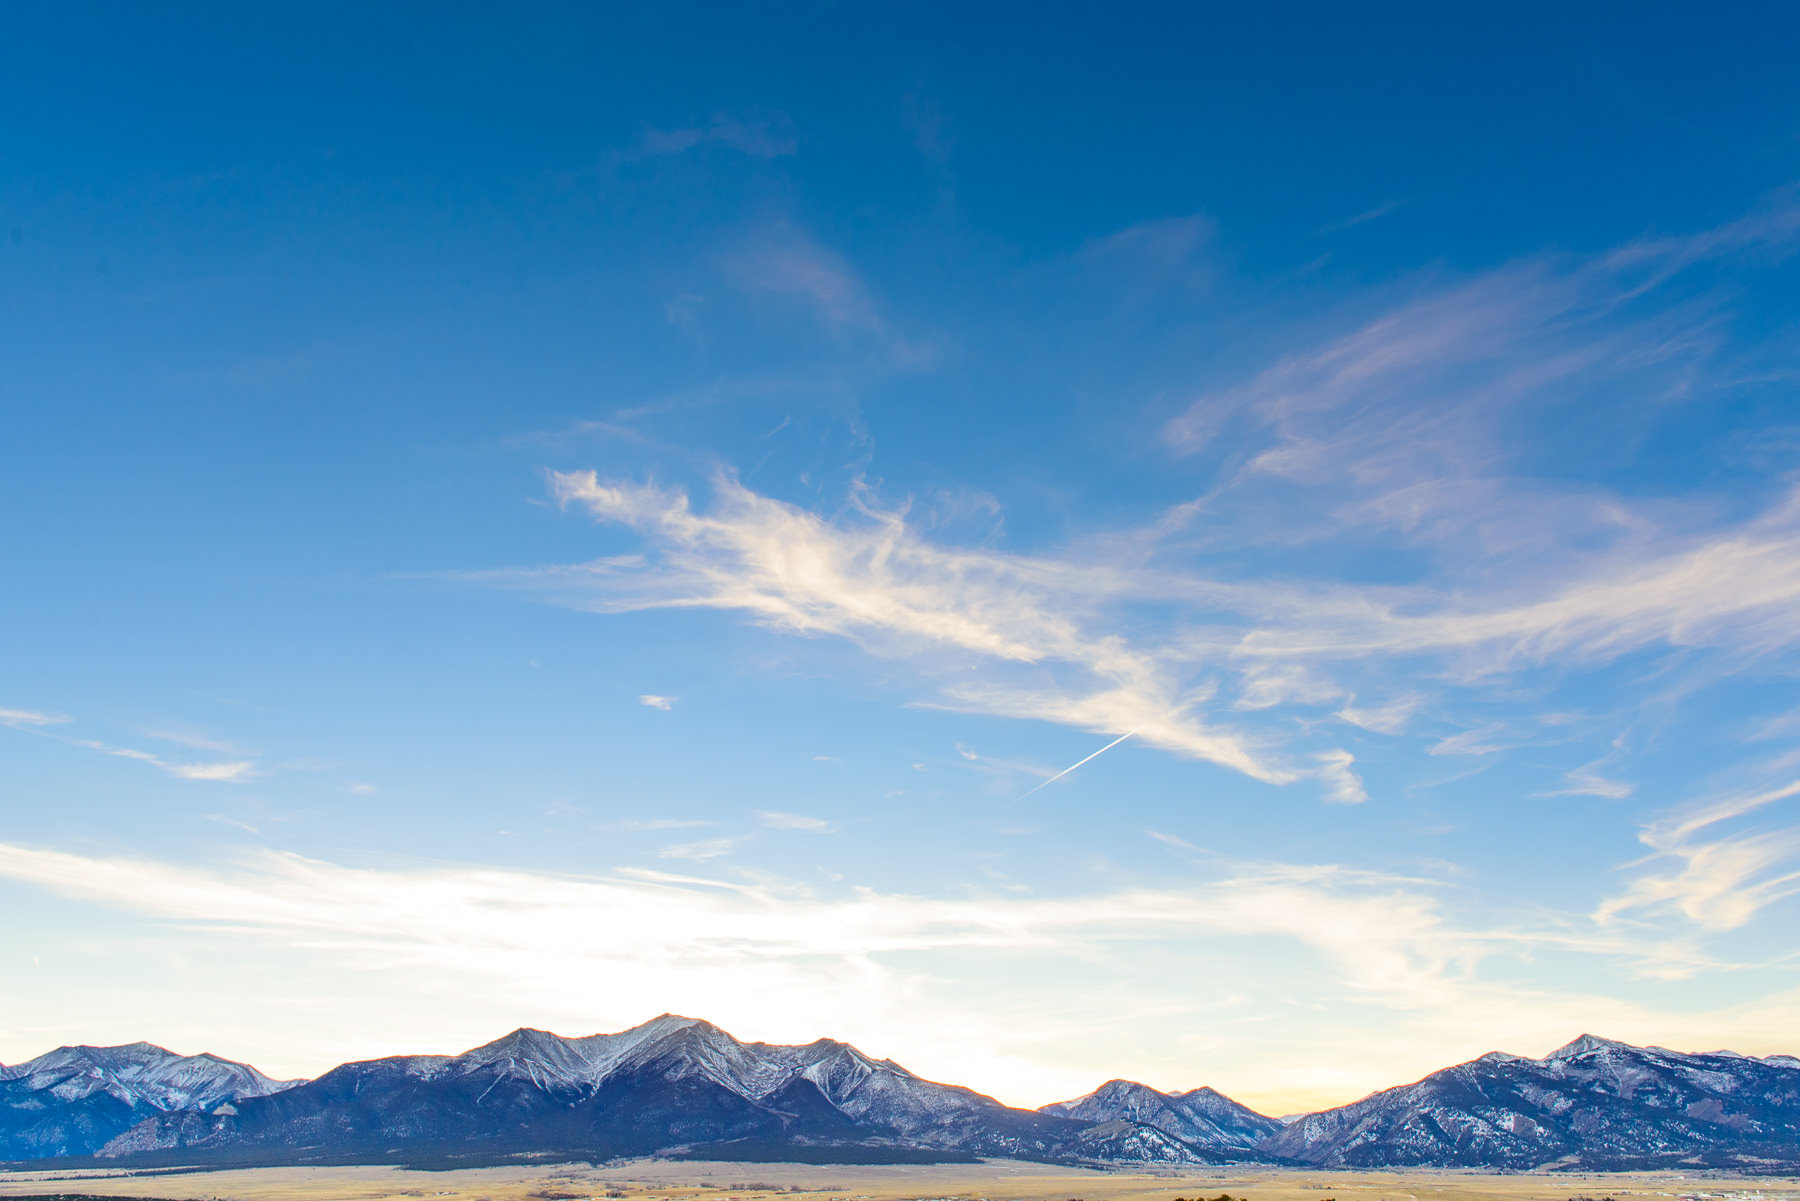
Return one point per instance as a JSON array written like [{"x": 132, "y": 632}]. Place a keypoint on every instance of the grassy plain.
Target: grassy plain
[{"x": 994, "y": 1180}]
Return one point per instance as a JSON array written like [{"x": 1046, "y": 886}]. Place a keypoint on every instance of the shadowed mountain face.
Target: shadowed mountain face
[
  {"x": 1593, "y": 1104},
  {"x": 76, "y": 1099},
  {"x": 671, "y": 1083},
  {"x": 683, "y": 1087},
  {"x": 1201, "y": 1118}
]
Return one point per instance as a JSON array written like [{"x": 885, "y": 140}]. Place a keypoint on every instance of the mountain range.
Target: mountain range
[
  {"x": 1593, "y": 1104},
  {"x": 75, "y": 1099},
  {"x": 679, "y": 1087}
]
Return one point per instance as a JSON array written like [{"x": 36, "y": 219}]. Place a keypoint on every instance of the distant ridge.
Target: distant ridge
[
  {"x": 673, "y": 1085},
  {"x": 74, "y": 1100},
  {"x": 1199, "y": 1117},
  {"x": 1593, "y": 1104},
  {"x": 683, "y": 1088}
]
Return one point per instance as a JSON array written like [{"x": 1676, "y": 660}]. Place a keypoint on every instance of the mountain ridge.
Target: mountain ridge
[
  {"x": 668, "y": 1084},
  {"x": 680, "y": 1086},
  {"x": 1201, "y": 1116},
  {"x": 1593, "y": 1103},
  {"x": 73, "y": 1100}
]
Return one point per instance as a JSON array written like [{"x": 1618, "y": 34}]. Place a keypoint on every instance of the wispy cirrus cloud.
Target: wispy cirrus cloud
[
  {"x": 29, "y": 717},
  {"x": 230, "y": 771},
  {"x": 884, "y": 585},
  {"x": 881, "y": 582},
  {"x": 774, "y": 959},
  {"x": 1364, "y": 217},
  {"x": 795, "y": 821},
  {"x": 784, "y": 262},
  {"x": 1735, "y": 586},
  {"x": 1388, "y": 718},
  {"x": 197, "y": 742},
  {"x": 761, "y": 137},
  {"x": 702, "y": 850},
  {"x": 1719, "y": 880},
  {"x": 1400, "y": 430},
  {"x": 1411, "y": 421},
  {"x": 1342, "y": 784},
  {"x": 1589, "y": 779},
  {"x": 224, "y": 773},
  {"x": 1143, "y": 259}
]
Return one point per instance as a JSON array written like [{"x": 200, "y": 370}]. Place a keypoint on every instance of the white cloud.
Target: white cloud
[
  {"x": 795, "y": 821},
  {"x": 900, "y": 974},
  {"x": 783, "y": 261},
  {"x": 1722, "y": 880},
  {"x": 230, "y": 773},
  {"x": 1397, "y": 429},
  {"x": 1409, "y": 425},
  {"x": 885, "y": 586},
  {"x": 1374, "y": 214},
  {"x": 1174, "y": 840},
  {"x": 1407, "y": 409},
  {"x": 1489, "y": 739},
  {"x": 764, "y": 137},
  {"x": 650, "y": 699},
  {"x": 196, "y": 742},
  {"x": 1342, "y": 785},
  {"x": 27, "y": 717},
  {"x": 1587, "y": 780},
  {"x": 1151, "y": 256},
  {"x": 1161, "y": 242},
  {"x": 1390, "y": 718},
  {"x": 223, "y": 772},
  {"x": 1738, "y": 587},
  {"x": 879, "y": 581},
  {"x": 786, "y": 262},
  {"x": 706, "y": 848},
  {"x": 1782, "y": 725},
  {"x": 1265, "y": 685}
]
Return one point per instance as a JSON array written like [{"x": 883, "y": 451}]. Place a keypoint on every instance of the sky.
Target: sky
[{"x": 543, "y": 516}]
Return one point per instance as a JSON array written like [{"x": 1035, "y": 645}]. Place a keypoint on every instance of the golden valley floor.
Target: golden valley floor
[{"x": 997, "y": 1180}]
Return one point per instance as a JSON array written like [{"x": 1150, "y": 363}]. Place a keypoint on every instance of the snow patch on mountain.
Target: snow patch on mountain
[
  {"x": 1595, "y": 1103},
  {"x": 1200, "y": 1118},
  {"x": 141, "y": 1074}
]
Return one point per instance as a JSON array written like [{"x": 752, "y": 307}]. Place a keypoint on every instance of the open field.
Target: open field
[{"x": 995, "y": 1180}]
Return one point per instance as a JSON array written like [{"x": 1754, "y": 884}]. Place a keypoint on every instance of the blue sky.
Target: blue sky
[{"x": 546, "y": 518}]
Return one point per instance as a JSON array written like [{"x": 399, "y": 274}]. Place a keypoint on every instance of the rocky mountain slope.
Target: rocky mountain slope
[
  {"x": 669, "y": 1084},
  {"x": 1201, "y": 1118},
  {"x": 74, "y": 1100},
  {"x": 677, "y": 1086},
  {"x": 1594, "y": 1104}
]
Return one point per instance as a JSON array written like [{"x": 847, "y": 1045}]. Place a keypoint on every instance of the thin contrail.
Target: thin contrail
[{"x": 1065, "y": 771}]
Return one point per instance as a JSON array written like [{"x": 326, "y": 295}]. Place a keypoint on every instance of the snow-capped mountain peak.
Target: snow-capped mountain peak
[
  {"x": 72, "y": 1099},
  {"x": 141, "y": 1074},
  {"x": 671, "y": 1080},
  {"x": 1201, "y": 1117},
  {"x": 1596, "y": 1102},
  {"x": 677, "y": 1082},
  {"x": 1588, "y": 1044}
]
